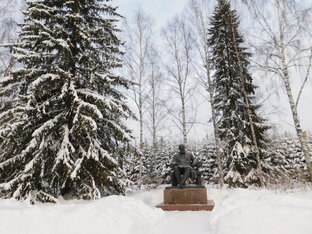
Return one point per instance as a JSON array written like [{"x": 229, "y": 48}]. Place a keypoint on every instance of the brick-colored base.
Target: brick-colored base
[
  {"x": 183, "y": 199},
  {"x": 187, "y": 207},
  {"x": 185, "y": 196}
]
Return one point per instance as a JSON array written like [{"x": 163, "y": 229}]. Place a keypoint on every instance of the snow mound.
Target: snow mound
[
  {"x": 110, "y": 215},
  {"x": 244, "y": 211}
]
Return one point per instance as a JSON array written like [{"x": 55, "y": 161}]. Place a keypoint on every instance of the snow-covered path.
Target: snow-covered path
[{"x": 184, "y": 222}]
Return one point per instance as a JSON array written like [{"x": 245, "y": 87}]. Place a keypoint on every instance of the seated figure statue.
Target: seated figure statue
[{"x": 185, "y": 166}]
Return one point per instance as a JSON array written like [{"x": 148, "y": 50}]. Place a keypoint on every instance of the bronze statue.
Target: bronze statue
[{"x": 185, "y": 166}]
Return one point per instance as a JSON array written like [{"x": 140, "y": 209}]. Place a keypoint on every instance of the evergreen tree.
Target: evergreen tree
[
  {"x": 64, "y": 134},
  {"x": 234, "y": 96}
]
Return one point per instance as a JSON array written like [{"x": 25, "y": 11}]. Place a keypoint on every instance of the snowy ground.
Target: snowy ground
[{"x": 237, "y": 211}]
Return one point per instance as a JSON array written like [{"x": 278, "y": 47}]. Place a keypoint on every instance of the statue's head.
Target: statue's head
[{"x": 182, "y": 149}]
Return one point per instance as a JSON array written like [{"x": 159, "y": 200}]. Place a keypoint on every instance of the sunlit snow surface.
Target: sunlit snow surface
[{"x": 237, "y": 211}]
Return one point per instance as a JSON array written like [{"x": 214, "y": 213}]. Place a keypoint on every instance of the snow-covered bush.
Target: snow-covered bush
[{"x": 281, "y": 163}]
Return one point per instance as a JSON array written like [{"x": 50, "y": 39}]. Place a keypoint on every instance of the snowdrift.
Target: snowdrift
[
  {"x": 244, "y": 211},
  {"x": 237, "y": 211},
  {"x": 111, "y": 215}
]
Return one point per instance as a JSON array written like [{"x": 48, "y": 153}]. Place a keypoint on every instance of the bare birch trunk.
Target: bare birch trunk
[
  {"x": 141, "y": 146},
  {"x": 301, "y": 136},
  {"x": 184, "y": 122},
  {"x": 139, "y": 34},
  {"x": 293, "y": 107},
  {"x": 142, "y": 67},
  {"x": 153, "y": 106},
  {"x": 154, "y": 127},
  {"x": 179, "y": 44}
]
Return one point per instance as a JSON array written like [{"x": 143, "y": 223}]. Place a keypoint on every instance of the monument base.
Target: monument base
[
  {"x": 187, "y": 207},
  {"x": 186, "y": 198}
]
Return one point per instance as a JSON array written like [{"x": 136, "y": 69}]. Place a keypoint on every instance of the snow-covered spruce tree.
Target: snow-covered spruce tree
[
  {"x": 286, "y": 154},
  {"x": 65, "y": 132},
  {"x": 234, "y": 97},
  {"x": 207, "y": 154}
]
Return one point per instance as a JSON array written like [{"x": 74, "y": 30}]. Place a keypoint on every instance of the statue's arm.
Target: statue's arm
[
  {"x": 174, "y": 161},
  {"x": 192, "y": 159}
]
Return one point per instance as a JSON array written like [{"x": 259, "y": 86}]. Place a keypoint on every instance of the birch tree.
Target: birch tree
[
  {"x": 156, "y": 101},
  {"x": 285, "y": 43},
  {"x": 138, "y": 35},
  {"x": 199, "y": 13},
  {"x": 179, "y": 46}
]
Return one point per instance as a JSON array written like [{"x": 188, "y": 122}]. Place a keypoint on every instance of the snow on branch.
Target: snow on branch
[
  {"x": 42, "y": 26},
  {"x": 32, "y": 145},
  {"x": 34, "y": 142},
  {"x": 63, "y": 43},
  {"x": 6, "y": 79},
  {"x": 91, "y": 122},
  {"x": 95, "y": 110},
  {"x": 43, "y": 78},
  {"x": 47, "y": 196},
  {"x": 95, "y": 192},
  {"x": 47, "y": 125},
  {"x": 125, "y": 135},
  {"x": 43, "y": 8},
  {"x": 104, "y": 153},
  {"x": 66, "y": 148},
  {"x": 110, "y": 104},
  {"x": 8, "y": 185},
  {"x": 29, "y": 166},
  {"x": 99, "y": 98},
  {"x": 77, "y": 165},
  {"x": 104, "y": 77}
]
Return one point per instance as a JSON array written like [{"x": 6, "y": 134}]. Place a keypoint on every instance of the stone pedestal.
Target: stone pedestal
[{"x": 186, "y": 199}]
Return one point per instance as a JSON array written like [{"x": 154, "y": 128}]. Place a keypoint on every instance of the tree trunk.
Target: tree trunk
[
  {"x": 154, "y": 127},
  {"x": 141, "y": 146},
  {"x": 142, "y": 63},
  {"x": 301, "y": 137},
  {"x": 293, "y": 107},
  {"x": 184, "y": 131}
]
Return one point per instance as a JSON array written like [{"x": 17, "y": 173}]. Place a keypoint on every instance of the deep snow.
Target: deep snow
[{"x": 237, "y": 211}]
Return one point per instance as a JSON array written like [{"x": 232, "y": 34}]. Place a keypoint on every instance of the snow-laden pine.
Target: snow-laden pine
[
  {"x": 239, "y": 125},
  {"x": 61, "y": 125}
]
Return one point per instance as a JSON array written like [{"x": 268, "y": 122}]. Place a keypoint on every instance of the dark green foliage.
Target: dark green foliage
[
  {"x": 232, "y": 83},
  {"x": 64, "y": 134}
]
